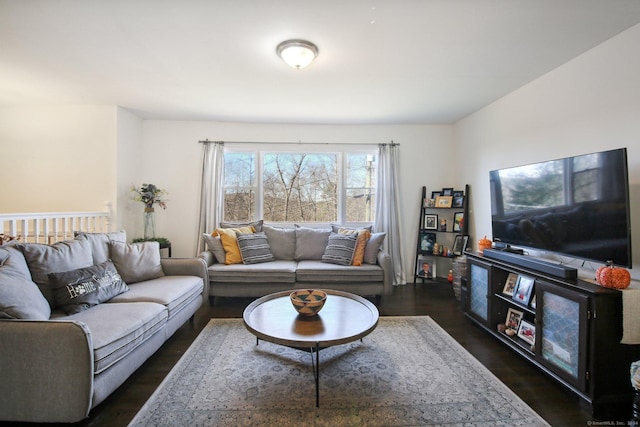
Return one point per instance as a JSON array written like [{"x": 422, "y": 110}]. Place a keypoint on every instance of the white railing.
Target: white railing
[{"x": 51, "y": 227}]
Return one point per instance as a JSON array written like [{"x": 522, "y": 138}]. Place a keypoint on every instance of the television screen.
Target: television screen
[{"x": 576, "y": 206}]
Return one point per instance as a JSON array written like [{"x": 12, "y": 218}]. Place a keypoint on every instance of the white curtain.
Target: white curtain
[
  {"x": 387, "y": 207},
  {"x": 211, "y": 190}
]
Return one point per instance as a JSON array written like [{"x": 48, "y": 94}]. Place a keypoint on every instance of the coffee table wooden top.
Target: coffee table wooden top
[{"x": 344, "y": 318}]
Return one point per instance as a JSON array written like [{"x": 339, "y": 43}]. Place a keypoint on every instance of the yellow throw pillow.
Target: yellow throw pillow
[
  {"x": 230, "y": 242},
  {"x": 361, "y": 244}
]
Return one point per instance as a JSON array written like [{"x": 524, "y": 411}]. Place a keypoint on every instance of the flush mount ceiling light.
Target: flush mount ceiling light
[{"x": 297, "y": 53}]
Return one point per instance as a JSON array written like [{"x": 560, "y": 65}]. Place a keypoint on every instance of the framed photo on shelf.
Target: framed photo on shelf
[
  {"x": 444, "y": 201},
  {"x": 429, "y": 203},
  {"x": 431, "y": 222},
  {"x": 435, "y": 194},
  {"x": 513, "y": 319},
  {"x": 458, "y": 221},
  {"x": 527, "y": 332},
  {"x": 510, "y": 284},
  {"x": 426, "y": 241},
  {"x": 426, "y": 268},
  {"x": 523, "y": 290},
  {"x": 447, "y": 192},
  {"x": 460, "y": 244},
  {"x": 458, "y": 199}
]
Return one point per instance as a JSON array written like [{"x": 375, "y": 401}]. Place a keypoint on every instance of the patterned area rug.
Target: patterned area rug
[{"x": 407, "y": 372}]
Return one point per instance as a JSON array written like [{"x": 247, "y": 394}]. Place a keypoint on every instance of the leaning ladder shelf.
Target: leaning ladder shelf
[{"x": 430, "y": 233}]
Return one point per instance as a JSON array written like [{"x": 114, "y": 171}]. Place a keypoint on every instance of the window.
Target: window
[{"x": 311, "y": 187}]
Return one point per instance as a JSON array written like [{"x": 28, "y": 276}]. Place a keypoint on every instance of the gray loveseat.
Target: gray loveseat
[
  {"x": 77, "y": 318},
  {"x": 296, "y": 258}
]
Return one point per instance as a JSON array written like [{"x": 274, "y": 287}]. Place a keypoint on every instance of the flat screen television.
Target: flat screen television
[{"x": 577, "y": 206}]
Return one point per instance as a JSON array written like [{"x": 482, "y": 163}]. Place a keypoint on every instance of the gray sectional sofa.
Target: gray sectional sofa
[
  {"x": 77, "y": 318},
  {"x": 299, "y": 257}
]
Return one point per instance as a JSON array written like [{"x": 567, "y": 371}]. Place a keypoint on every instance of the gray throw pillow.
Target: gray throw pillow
[
  {"x": 136, "y": 262},
  {"x": 62, "y": 256},
  {"x": 100, "y": 243},
  {"x": 340, "y": 248},
  {"x": 20, "y": 298},
  {"x": 214, "y": 244},
  {"x": 282, "y": 242},
  {"x": 336, "y": 227},
  {"x": 256, "y": 224},
  {"x": 78, "y": 290},
  {"x": 311, "y": 243},
  {"x": 18, "y": 265},
  {"x": 373, "y": 247},
  {"x": 255, "y": 248}
]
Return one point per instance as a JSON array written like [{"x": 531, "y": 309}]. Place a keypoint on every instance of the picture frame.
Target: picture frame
[
  {"x": 513, "y": 319},
  {"x": 532, "y": 304},
  {"x": 429, "y": 203},
  {"x": 510, "y": 284},
  {"x": 527, "y": 332},
  {"x": 444, "y": 201},
  {"x": 458, "y": 221},
  {"x": 426, "y": 268},
  {"x": 427, "y": 240},
  {"x": 431, "y": 222},
  {"x": 447, "y": 192},
  {"x": 458, "y": 199},
  {"x": 460, "y": 244},
  {"x": 435, "y": 194},
  {"x": 524, "y": 289}
]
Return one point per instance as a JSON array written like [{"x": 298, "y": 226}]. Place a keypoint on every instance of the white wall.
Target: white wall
[
  {"x": 130, "y": 161},
  {"x": 591, "y": 103},
  {"x": 173, "y": 161},
  {"x": 57, "y": 158}
]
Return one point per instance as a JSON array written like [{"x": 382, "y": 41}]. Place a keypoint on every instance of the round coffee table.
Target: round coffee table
[{"x": 344, "y": 318}]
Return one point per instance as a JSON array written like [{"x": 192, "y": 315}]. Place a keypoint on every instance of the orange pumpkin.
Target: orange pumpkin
[{"x": 609, "y": 276}]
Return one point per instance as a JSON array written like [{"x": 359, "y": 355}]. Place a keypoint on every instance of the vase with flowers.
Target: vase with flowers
[{"x": 150, "y": 195}]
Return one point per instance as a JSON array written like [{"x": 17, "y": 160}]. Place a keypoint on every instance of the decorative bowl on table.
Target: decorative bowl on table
[{"x": 308, "y": 302}]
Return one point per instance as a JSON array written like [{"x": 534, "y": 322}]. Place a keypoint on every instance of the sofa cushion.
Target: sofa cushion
[
  {"x": 373, "y": 247},
  {"x": 214, "y": 244},
  {"x": 311, "y": 243},
  {"x": 257, "y": 225},
  {"x": 78, "y": 290},
  {"x": 282, "y": 242},
  {"x": 137, "y": 261},
  {"x": 361, "y": 244},
  {"x": 62, "y": 256},
  {"x": 118, "y": 329},
  {"x": 254, "y": 248},
  {"x": 340, "y": 248},
  {"x": 20, "y": 298},
  {"x": 278, "y": 271},
  {"x": 174, "y": 292},
  {"x": 321, "y": 272},
  {"x": 100, "y": 243},
  {"x": 18, "y": 265}
]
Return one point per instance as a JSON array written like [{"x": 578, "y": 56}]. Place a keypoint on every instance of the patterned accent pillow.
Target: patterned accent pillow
[
  {"x": 81, "y": 289},
  {"x": 229, "y": 239},
  {"x": 255, "y": 248},
  {"x": 340, "y": 248},
  {"x": 363, "y": 237}
]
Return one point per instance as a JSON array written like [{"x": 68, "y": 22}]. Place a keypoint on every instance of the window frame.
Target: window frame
[{"x": 341, "y": 151}]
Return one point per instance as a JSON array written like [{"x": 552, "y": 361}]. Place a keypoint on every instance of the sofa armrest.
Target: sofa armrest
[
  {"x": 208, "y": 258},
  {"x": 47, "y": 371},
  {"x": 384, "y": 261},
  {"x": 187, "y": 267}
]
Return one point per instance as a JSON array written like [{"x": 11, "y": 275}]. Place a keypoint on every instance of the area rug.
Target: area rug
[{"x": 407, "y": 372}]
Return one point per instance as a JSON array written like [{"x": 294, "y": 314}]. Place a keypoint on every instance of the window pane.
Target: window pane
[
  {"x": 360, "y": 187},
  {"x": 240, "y": 191},
  {"x": 300, "y": 187}
]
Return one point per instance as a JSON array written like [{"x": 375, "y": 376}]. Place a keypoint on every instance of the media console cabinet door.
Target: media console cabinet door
[{"x": 478, "y": 291}]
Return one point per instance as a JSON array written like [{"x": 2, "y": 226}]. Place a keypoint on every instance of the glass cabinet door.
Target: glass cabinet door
[
  {"x": 562, "y": 326},
  {"x": 478, "y": 291}
]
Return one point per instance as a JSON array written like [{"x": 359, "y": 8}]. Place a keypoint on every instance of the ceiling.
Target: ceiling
[{"x": 380, "y": 61}]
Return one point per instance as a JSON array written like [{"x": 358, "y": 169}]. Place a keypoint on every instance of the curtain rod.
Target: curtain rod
[{"x": 206, "y": 141}]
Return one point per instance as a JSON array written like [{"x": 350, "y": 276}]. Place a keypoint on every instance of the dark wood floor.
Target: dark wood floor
[{"x": 437, "y": 300}]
